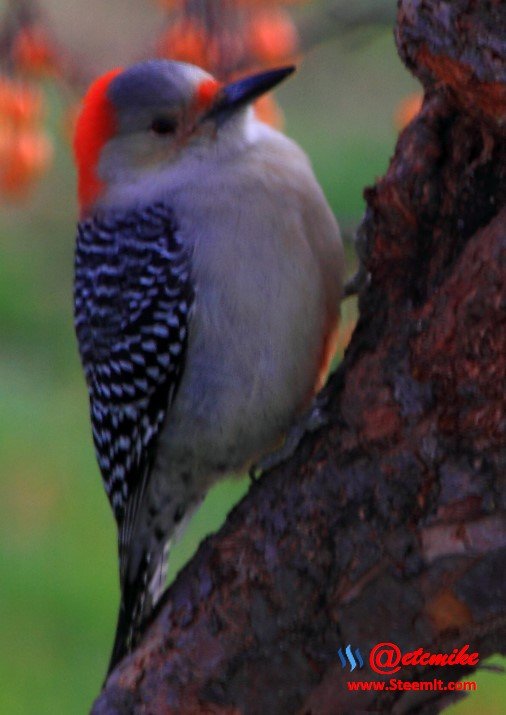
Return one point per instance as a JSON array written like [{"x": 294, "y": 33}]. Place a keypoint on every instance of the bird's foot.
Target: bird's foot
[
  {"x": 310, "y": 421},
  {"x": 362, "y": 277},
  {"x": 356, "y": 283}
]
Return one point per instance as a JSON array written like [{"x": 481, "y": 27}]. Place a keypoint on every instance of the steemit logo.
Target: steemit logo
[{"x": 354, "y": 659}]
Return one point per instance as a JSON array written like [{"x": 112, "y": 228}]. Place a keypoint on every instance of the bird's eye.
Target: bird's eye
[{"x": 163, "y": 125}]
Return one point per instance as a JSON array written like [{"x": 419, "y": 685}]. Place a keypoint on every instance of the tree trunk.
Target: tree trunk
[{"x": 389, "y": 524}]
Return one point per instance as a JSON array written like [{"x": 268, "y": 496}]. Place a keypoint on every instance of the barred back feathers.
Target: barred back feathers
[{"x": 133, "y": 296}]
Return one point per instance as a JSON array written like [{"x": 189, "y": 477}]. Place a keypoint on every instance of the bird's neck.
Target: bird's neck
[{"x": 203, "y": 167}]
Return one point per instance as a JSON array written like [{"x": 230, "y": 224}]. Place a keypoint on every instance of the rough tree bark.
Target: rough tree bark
[{"x": 389, "y": 525}]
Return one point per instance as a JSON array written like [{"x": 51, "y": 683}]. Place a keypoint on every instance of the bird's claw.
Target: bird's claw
[
  {"x": 356, "y": 283},
  {"x": 310, "y": 421},
  {"x": 362, "y": 277}
]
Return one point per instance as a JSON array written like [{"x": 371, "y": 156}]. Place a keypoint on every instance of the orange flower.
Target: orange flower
[
  {"x": 184, "y": 41},
  {"x": 169, "y": 4},
  {"x": 272, "y": 36},
  {"x": 24, "y": 156},
  {"x": 20, "y": 103},
  {"x": 407, "y": 109},
  {"x": 32, "y": 52},
  {"x": 25, "y": 149}
]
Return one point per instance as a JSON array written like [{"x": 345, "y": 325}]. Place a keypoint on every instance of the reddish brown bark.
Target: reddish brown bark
[{"x": 389, "y": 525}]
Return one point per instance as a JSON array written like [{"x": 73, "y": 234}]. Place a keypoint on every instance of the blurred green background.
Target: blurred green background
[{"x": 58, "y": 570}]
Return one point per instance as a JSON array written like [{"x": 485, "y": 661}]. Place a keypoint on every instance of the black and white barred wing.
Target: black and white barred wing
[{"x": 133, "y": 298}]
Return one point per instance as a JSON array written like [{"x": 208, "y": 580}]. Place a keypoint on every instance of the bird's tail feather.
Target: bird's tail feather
[
  {"x": 138, "y": 600},
  {"x": 141, "y": 593}
]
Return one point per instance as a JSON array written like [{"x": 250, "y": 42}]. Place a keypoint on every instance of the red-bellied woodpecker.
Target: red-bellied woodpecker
[{"x": 208, "y": 276}]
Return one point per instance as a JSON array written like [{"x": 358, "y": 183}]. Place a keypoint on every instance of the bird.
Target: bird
[{"x": 207, "y": 284}]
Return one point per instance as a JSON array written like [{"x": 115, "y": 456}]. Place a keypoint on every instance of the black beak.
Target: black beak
[{"x": 237, "y": 94}]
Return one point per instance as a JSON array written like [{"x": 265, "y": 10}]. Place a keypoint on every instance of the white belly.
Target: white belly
[
  {"x": 267, "y": 270},
  {"x": 253, "y": 350}
]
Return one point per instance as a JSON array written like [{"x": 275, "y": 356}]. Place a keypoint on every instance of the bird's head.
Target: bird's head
[{"x": 146, "y": 116}]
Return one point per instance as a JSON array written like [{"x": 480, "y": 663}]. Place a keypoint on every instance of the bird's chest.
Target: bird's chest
[{"x": 253, "y": 340}]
